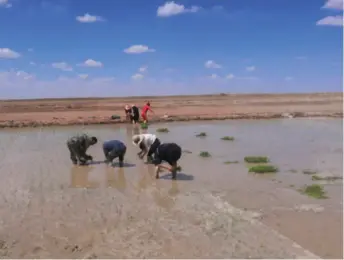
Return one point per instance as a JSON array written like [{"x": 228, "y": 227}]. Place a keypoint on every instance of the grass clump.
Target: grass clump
[
  {"x": 230, "y": 162},
  {"x": 256, "y": 159},
  {"x": 202, "y": 134},
  {"x": 263, "y": 169},
  {"x": 309, "y": 172},
  {"x": 144, "y": 126},
  {"x": 227, "y": 138},
  {"x": 163, "y": 130},
  {"x": 179, "y": 168},
  {"x": 204, "y": 154},
  {"x": 326, "y": 178},
  {"x": 315, "y": 191}
]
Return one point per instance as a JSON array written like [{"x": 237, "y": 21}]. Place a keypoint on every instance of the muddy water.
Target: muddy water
[{"x": 50, "y": 208}]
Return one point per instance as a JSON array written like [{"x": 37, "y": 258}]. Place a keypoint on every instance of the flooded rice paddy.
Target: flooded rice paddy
[{"x": 52, "y": 209}]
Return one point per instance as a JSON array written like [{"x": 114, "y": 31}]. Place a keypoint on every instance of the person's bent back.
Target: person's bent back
[{"x": 113, "y": 149}]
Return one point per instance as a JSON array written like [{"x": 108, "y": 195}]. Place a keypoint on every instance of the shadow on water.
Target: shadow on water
[
  {"x": 125, "y": 165},
  {"x": 79, "y": 177},
  {"x": 180, "y": 177}
]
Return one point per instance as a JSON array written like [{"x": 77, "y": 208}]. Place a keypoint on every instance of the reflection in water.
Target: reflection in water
[
  {"x": 79, "y": 177},
  {"x": 118, "y": 183},
  {"x": 166, "y": 199},
  {"x": 147, "y": 178},
  {"x": 136, "y": 130}
]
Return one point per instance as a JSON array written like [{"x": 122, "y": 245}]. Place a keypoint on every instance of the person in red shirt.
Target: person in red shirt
[{"x": 145, "y": 109}]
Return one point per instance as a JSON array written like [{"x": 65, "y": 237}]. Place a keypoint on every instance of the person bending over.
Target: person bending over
[
  {"x": 113, "y": 149},
  {"x": 170, "y": 153},
  {"x": 135, "y": 114},
  {"x": 78, "y": 146},
  {"x": 148, "y": 144}
]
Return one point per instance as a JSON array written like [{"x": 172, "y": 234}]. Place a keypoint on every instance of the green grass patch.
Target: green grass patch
[
  {"x": 202, "y": 134},
  {"x": 309, "y": 172},
  {"x": 179, "y": 168},
  {"x": 256, "y": 159},
  {"x": 144, "y": 126},
  {"x": 315, "y": 191},
  {"x": 227, "y": 138},
  {"x": 163, "y": 130},
  {"x": 230, "y": 162},
  {"x": 263, "y": 169},
  {"x": 204, "y": 154},
  {"x": 326, "y": 178}
]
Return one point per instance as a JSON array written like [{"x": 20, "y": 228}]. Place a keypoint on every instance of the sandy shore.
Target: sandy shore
[{"x": 47, "y": 112}]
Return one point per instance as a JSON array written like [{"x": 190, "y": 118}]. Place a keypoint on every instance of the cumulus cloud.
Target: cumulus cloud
[
  {"x": 91, "y": 63},
  {"x": 83, "y": 76},
  {"x": 251, "y": 68},
  {"x": 336, "y": 20},
  {"x": 87, "y": 18},
  {"x": 32, "y": 63},
  {"x": 334, "y": 4},
  {"x": 172, "y": 8},
  {"x": 210, "y": 64},
  {"x": 137, "y": 49},
  {"x": 62, "y": 66},
  {"x": 137, "y": 76},
  {"x": 6, "y": 53},
  {"x": 5, "y": 4},
  {"x": 230, "y": 76},
  {"x": 143, "y": 69}
]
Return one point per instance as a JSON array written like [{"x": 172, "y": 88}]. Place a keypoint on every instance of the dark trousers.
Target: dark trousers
[
  {"x": 110, "y": 155},
  {"x": 153, "y": 147}
]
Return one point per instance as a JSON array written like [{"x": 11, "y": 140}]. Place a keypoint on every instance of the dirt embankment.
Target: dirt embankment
[{"x": 46, "y": 112}]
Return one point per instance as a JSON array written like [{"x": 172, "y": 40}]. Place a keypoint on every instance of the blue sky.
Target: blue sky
[{"x": 62, "y": 48}]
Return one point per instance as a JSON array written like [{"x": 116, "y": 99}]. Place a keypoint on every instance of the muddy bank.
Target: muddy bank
[{"x": 96, "y": 120}]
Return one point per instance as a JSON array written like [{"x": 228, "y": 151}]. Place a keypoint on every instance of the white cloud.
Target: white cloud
[
  {"x": 288, "y": 78},
  {"x": 172, "y": 8},
  {"x": 331, "y": 21},
  {"x": 87, "y": 18},
  {"x": 143, "y": 69},
  {"x": 83, "y": 76},
  {"x": 5, "y": 3},
  {"x": 230, "y": 76},
  {"x": 6, "y": 53},
  {"x": 24, "y": 75},
  {"x": 214, "y": 76},
  {"x": 137, "y": 76},
  {"x": 92, "y": 63},
  {"x": 251, "y": 68},
  {"x": 62, "y": 66},
  {"x": 32, "y": 63},
  {"x": 210, "y": 64},
  {"x": 334, "y": 4},
  {"x": 137, "y": 49},
  {"x": 30, "y": 49}
]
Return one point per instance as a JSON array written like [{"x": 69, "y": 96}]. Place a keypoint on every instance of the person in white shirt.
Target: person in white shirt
[{"x": 148, "y": 144}]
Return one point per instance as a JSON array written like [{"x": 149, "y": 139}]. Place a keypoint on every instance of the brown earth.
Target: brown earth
[{"x": 21, "y": 113}]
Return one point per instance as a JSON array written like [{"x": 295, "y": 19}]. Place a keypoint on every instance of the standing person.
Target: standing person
[
  {"x": 145, "y": 109},
  {"x": 127, "y": 111},
  {"x": 135, "y": 114},
  {"x": 113, "y": 149},
  {"x": 170, "y": 153},
  {"x": 78, "y": 146},
  {"x": 148, "y": 144}
]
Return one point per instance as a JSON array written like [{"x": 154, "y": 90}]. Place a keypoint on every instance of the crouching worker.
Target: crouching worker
[
  {"x": 148, "y": 144},
  {"x": 78, "y": 146},
  {"x": 170, "y": 153},
  {"x": 113, "y": 149}
]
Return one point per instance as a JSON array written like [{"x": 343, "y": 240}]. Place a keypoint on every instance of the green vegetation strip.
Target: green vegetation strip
[
  {"x": 309, "y": 172},
  {"x": 230, "y": 162},
  {"x": 256, "y": 159},
  {"x": 315, "y": 191},
  {"x": 227, "y": 138},
  {"x": 163, "y": 130},
  {"x": 144, "y": 126},
  {"x": 204, "y": 154},
  {"x": 202, "y": 134},
  {"x": 326, "y": 178},
  {"x": 263, "y": 169}
]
